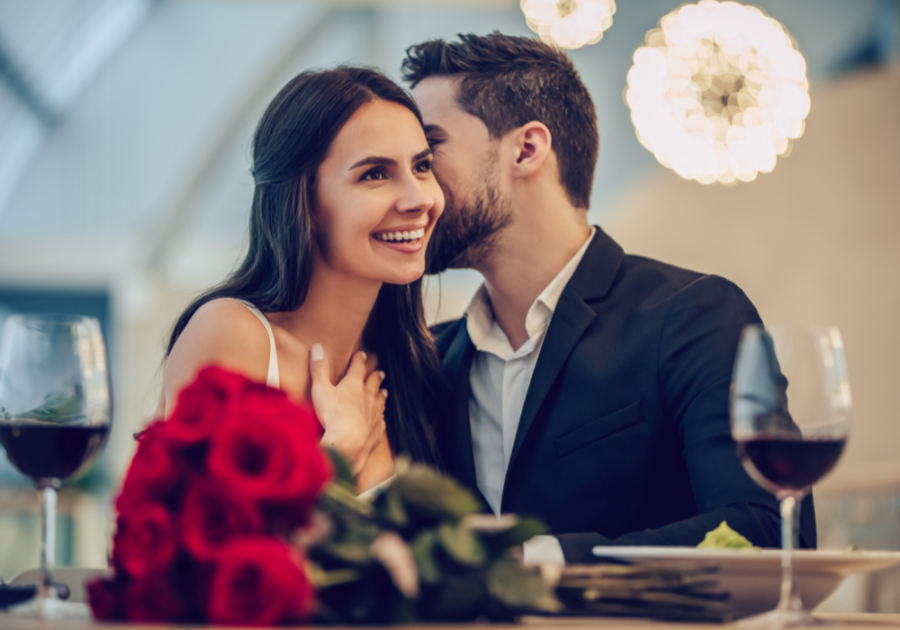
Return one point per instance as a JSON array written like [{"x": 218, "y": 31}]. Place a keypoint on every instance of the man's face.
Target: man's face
[{"x": 466, "y": 167}]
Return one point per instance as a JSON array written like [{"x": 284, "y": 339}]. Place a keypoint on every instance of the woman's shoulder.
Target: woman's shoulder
[
  {"x": 224, "y": 332},
  {"x": 225, "y": 323}
]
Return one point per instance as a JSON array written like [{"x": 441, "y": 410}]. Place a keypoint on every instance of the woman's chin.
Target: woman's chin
[{"x": 405, "y": 276}]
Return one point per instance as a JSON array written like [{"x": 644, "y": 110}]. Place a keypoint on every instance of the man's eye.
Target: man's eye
[
  {"x": 423, "y": 167},
  {"x": 433, "y": 142},
  {"x": 373, "y": 175}
]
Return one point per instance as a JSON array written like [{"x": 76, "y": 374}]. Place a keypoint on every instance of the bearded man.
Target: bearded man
[{"x": 589, "y": 387}]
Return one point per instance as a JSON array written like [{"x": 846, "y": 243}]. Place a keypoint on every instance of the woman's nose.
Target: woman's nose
[{"x": 415, "y": 198}]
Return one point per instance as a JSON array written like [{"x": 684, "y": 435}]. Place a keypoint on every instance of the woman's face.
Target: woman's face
[{"x": 376, "y": 198}]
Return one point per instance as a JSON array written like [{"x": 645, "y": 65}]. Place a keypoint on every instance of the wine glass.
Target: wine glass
[
  {"x": 55, "y": 414},
  {"x": 787, "y": 449}
]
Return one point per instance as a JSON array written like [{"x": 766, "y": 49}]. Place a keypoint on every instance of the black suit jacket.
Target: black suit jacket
[{"x": 624, "y": 437}]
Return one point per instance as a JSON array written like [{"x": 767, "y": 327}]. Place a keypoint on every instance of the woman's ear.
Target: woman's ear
[{"x": 532, "y": 145}]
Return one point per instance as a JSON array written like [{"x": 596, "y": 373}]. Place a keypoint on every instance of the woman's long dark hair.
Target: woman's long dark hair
[{"x": 290, "y": 143}]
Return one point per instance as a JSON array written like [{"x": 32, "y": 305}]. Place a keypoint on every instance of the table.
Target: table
[{"x": 855, "y": 621}]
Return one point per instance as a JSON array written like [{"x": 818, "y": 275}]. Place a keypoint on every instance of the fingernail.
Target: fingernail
[
  {"x": 364, "y": 355},
  {"x": 381, "y": 374},
  {"x": 384, "y": 392},
  {"x": 317, "y": 353}
]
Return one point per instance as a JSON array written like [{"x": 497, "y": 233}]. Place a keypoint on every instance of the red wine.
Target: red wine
[
  {"x": 791, "y": 464},
  {"x": 47, "y": 451}
]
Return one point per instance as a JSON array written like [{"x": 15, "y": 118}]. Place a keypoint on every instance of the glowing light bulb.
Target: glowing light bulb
[
  {"x": 718, "y": 92},
  {"x": 569, "y": 23}
]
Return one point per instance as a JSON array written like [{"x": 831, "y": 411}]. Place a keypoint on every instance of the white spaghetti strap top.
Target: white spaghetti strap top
[{"x": 272, "y": 378}]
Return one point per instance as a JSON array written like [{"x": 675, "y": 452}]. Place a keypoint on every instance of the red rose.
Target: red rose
[
  {"x": 153, "y": 600},
  {"x": 257, "y": 582},
  {"x": 155, "y": 470},
  {"x": 105, "y": 599},
  {"x": 201, "y": 403},
  {"x": 267, "y": 449},
  {"x": 211, "y": 515},
  {"x": 145, "y": 540}
]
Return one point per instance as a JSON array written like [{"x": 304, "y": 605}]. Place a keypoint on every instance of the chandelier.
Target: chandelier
[
  {"x": 718, "y": 92},
  {"x": 569, "y": 23}
]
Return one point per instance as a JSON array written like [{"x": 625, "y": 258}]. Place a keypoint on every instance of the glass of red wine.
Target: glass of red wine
[
  {"x": 786, "y": 447},
  {"x": 55, "y": 414}
]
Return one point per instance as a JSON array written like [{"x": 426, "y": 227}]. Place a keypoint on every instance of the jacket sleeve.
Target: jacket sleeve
[{"x": 697, "y": 348}]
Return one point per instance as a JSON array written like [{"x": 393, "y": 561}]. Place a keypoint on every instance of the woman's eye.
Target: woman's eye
[
  {"x": 374, "y": 175},
  {"x": 423, "y": 167}
]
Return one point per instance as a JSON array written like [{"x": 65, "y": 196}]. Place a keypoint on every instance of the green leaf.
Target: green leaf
[
  {"x": 390, "y": 505},
  {"x": 423, "y": 547},
  {"x": 460, "y": 597},
  {"x": 462, "y": 545},
  {"x": 341, "y": 499},
  {"x": 353, "y": 544},
  {"x": 403, "y": 611},
  {"x": 349, "y": 550},
  {"x": 526, "y": 529},
  {"x": 342, "y": 470},
  {"x": 520, "y": 588},
  {"x": 325, "y": 579},
  {"x": 429, "y": 493}
]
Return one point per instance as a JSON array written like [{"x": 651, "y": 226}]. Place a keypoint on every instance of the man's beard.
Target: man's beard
[{"x": 467, "y": 231}]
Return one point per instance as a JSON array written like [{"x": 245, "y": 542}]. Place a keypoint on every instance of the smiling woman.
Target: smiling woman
[
  {"x": 344, "y": 206},
  {"x": 372, "y": 207}
]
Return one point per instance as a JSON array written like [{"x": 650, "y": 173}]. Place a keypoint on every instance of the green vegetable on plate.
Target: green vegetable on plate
[{"x": 723, "y": 537}]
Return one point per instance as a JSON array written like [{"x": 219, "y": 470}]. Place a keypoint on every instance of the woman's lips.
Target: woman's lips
[
  {"x": 407, "y": 247},
  {"x": 406, "y": 239}
]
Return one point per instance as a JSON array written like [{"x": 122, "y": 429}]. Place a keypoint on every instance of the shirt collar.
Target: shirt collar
[{"x": 479, "y": 314}]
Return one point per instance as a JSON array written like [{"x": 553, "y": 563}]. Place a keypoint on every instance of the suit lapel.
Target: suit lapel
[
  {"x": 457, "y": 361},
  {"x": 571, "y": 318},
  {"x": 592, "y": 280}
]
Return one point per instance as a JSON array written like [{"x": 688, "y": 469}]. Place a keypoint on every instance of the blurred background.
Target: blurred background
[{"x": 125, "y": 190}]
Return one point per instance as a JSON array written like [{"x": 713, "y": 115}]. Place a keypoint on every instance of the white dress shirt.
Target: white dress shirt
[{"x": 500, "y": 376}]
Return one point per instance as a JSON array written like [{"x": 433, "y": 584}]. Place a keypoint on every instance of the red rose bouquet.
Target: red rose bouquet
[{"x": 212, "y": 495}]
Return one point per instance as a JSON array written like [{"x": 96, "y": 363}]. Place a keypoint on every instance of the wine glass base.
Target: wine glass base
[
  {"x": 781, "y": 618},
  {"x": 49, "y": 608}
]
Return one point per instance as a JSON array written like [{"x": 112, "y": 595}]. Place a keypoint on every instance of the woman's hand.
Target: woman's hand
[{"x": 351, "y": 412}]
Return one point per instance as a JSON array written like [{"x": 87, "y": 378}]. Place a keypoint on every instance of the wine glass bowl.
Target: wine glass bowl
[
  {"x": 55, "y": 415},
  {"x": 790, "y": 418}
]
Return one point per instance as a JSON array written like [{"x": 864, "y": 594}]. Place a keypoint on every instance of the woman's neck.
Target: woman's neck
[{"x": 334, "y": 314}]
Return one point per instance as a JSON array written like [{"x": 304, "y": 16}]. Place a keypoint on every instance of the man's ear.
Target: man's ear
[{"x": 532, "y": 145}]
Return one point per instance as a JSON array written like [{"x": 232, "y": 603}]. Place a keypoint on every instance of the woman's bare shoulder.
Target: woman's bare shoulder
[
  {"x": 222, "y": 332},
  {"x": 293, "y": 359}
]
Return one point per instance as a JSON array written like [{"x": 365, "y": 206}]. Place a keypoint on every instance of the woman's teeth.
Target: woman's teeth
[{"x": 410, "y": 236}]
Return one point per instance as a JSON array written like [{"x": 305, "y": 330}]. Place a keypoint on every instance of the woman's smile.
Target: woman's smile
[
  {"x": 408, "y": 239},
  {"x": 377, "y": 198}
]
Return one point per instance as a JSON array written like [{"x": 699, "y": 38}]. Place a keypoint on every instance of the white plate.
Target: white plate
[{"x": 753, "y": 576}]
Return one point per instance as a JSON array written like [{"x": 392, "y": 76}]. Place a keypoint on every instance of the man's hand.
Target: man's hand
[{"x": 351, "y": 412}]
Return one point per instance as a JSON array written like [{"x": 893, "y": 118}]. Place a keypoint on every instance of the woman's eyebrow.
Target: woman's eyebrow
[{"x": 375, "y": 160}]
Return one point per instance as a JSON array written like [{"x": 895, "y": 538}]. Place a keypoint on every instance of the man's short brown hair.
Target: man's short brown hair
[{"x": 509, "y": 81}]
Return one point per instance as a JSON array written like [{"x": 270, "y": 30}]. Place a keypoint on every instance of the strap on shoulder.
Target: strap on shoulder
[{"x": 272, "y": 377}]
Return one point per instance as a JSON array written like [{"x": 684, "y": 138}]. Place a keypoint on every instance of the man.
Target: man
[{"x": 591, "y": 387}]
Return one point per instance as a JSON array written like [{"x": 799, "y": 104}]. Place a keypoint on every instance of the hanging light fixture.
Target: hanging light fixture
[
  {"x": 569, "y": 23},
  {"x": 718, "y": 92}
]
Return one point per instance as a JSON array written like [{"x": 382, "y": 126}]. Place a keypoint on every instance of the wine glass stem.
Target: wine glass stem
[
  {"x": 790, "y": 587},
  {"x": 48, "y": 539}
]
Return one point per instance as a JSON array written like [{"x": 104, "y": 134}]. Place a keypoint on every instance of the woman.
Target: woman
[{"x": 344, "y": 206}]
